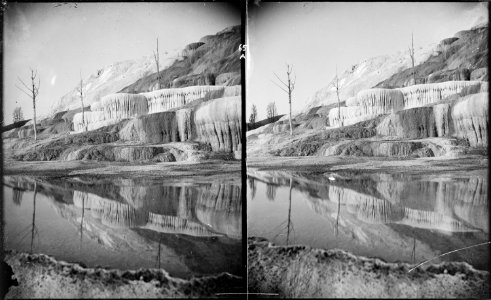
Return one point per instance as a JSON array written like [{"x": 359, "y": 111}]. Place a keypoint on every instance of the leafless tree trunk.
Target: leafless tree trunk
[
  {"x": 34, "y": 229},
  {"x": 289, "y": 89},
  {"x": 253, "y": 116},
  {"x": 288, "y": 226},
  {"x": 157, "y": 59},
  {"x": 411, "y": 54},
  {"x": 271, "y": 111},
  {"x": 32, "y": 93},
  {"x": 82, "y": 100},
  {"x": 337, "y": 93},
  {"x": 18, "y": 116}
]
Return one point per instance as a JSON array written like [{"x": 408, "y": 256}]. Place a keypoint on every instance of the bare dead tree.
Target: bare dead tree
[
  {"x": 253, "y": 116},
  {"x": 288, "y": 88},
  {"x": 18, "y": 115},
  {"x": 411, "y": 54},
  {"x": 156, "y": 56},
  {"x": 80, "y": 90},
  {"x": 337, "y": 94},
  {"x": 271, "y": 110},
  {"x": 31, "y": 92}
]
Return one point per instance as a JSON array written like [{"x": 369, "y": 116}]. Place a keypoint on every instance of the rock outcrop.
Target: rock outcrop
[{"x": 218, "y": 122}]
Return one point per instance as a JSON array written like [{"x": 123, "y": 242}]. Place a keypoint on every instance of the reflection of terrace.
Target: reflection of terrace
[
  {"x": 180, "y": 221},
  {"x": 196, "y": 210},
  {"x": 450, "y": 206}
]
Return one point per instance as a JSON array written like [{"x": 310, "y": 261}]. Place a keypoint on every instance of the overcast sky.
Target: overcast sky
[
  {"x": 59, "y": 41},
  {"x": 315, "y": 37}
]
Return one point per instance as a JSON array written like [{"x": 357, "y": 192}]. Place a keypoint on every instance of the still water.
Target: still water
[
  {"x": 185, "y": 227},
  {"x": 396, "y": 218}
]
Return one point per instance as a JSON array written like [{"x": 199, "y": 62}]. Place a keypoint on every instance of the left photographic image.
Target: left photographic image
[{"x": 122, "y": 150}]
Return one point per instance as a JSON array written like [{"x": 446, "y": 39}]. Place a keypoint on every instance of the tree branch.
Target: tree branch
[
  {"x": 23, "y": 91},
  {"x": 25, "y": 85},
  {"x": 279, "y": 86},
  {"x": 286, "y": 85}
]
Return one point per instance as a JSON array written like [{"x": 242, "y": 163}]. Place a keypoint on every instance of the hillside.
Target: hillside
[
  {"x": 462, "y": 57},
  {"x": 110, "y": 79},
  {"x": 366, "y": 74},
  {"x": 453, "y": 58},
  {"x": 383, "y": 113},
  {"x": 212, "y": 60}
]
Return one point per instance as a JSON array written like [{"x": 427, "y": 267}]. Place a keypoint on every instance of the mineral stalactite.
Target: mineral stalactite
[
  {"x": 122, "y": 106},
  {"x": 424, "y": 94},
  {"x": 220, "y": 206},
  {"x": 173, "y": 224},
  {"x": 218, "y": 122},
  {"x": 470, "y": 119},
  {"x": 380, "y": 101},
  {"x": 155, "y": 128},
  {"x": 167, "y": 99}
]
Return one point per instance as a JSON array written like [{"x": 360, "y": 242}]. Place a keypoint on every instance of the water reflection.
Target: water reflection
[
  {"x": 375, "y": 215},
  {"x": 185, "y": 227}
]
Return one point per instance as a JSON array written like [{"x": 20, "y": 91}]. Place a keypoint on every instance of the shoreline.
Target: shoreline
[
  {"x": 303, "y": 271},
  {"x": 42, "y": 276}
]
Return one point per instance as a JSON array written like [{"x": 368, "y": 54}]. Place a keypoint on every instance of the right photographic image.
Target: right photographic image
[{"x": 367, "y": 150}]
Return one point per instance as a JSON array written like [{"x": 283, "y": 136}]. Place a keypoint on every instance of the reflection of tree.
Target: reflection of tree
[
  {"x": 271, "y": 191},
  {"x": 82, "y": 224},
  {"x": 252, "y": 187},
  {"x": 17, "y": 195},
  {"x": 337, "y": 217},
  {"x": 34, "y": 230},
  {"x": 288, "y": 222},
  {"x": 289, "y": 225},
  {"x": 413, "y": 253},
  {"x": 158, "y": 253}
]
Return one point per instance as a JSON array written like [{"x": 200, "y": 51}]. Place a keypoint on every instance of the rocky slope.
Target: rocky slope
[
  {"x": 461, "y": 57},
  {"x": 110, "y": 79},
  {"x": 214, "y": 60},
  {"x": 454, "y": 58},
  {"x": 199, "y": 108},
  {"x": 211, "y": 61},
  {"x": 446, "y": 115}
]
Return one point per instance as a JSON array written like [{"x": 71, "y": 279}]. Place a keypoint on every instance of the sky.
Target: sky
[
  {"x": 59, "y": 42},
  {"x": 317, "y": 37}
]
